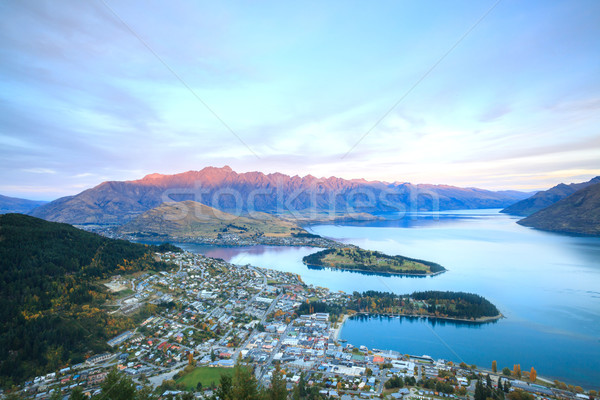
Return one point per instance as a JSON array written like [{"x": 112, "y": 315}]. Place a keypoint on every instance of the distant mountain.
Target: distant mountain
[
  {"x": 546, "y": 198},
  {"x": 50, "y": 295},
  {"x": 578, "y": 213},
  {"x": 191, "y": 219},
  {"x": 114, "y": 203},
  {"x": 16, "y": 205}
]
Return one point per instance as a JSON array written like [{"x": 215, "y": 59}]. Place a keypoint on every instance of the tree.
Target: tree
[
  {"x": 532, "y": 375},
  {"x": 245, "y": 386},
  {"x": 506, "y": 371},
  {"x": 145, "y": 393},
  {"x": 494, "y": 366},
  {"x": 517, "y": 370},
  {"x": 479, "y": 391},
  {"x": 56, "y": 394},
  {"x": 278, "y": 390},
  {"x": 463, "y": 365},
  {"x": 300, "y": 391},
  {"x": 117, "y": 387},
  {"x": 368, "y": 371},
  {"x": 224, "y": 391},
  {"x": 77, "y": 394}
]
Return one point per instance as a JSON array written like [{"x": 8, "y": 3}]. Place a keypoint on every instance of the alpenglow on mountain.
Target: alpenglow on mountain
[{"x": 308, "y": 197}]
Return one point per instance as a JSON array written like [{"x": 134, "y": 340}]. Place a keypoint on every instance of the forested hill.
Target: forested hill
[{"x": 50, "y": 298}]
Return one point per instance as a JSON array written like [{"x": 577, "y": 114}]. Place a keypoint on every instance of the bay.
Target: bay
[{"x": 547, "y": 286}]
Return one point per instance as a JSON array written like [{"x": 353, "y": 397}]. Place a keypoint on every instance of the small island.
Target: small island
[{"x": 357, "y": 259}]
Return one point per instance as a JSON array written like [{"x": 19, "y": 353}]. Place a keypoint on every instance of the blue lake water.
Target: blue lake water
[{"x": 547, "y": 285}]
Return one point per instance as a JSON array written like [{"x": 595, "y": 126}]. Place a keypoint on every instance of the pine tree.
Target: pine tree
[
  {"x": 278, "y": 390},
  {"x": 224, "y": 391},
  {"x": 117, "y": 387},
  {"x": 245, "y": 386}
]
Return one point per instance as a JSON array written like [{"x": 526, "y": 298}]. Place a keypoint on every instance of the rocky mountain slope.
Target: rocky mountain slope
[
  {"x": 577, "y": 213},
  {"x": 546, "y": 198}
]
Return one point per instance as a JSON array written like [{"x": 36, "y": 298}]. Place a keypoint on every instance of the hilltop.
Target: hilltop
[
  {"x": 546, "y": 198},
  {"x": 577, "y": 213},
  {"x": 190, "y": 219},
  {"x": 308, "y": 197},
  {"x": 16, "y": 205}
]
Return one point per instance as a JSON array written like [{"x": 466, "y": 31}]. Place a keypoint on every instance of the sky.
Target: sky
[{"x": 491, "y": 94}]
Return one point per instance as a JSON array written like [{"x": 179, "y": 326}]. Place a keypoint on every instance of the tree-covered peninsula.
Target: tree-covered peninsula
[
  {"x": 433, "y": 304},
  {"x": 357, "y": 259}
]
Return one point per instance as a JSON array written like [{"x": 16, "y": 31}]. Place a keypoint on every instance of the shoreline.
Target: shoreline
[
  {"x": 337, "y": 331},
  {"x": 480, "y": 320},
  {"x": 385, "y": 273}
]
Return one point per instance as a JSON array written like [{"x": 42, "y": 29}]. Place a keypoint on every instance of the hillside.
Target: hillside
[
  {"x": 356, "y": 259},
  {"x": 192, "y": 219},
  {"x": 16, "y": 205},
  {"x": 546, "y": 198},
  {"x": 578, "y": 213},
  {"x": 114, "y": 203},
  {"x": 50, "y": 298}
]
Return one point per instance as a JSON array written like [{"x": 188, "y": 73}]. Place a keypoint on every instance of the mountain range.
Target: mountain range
[
  {"x": 308, "y": 197},
  {"x": 16, "y": 205},
  {"x": 546, "y": 198}
]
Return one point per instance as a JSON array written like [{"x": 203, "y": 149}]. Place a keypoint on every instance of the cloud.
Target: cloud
[{"x": 40, "y": 170}]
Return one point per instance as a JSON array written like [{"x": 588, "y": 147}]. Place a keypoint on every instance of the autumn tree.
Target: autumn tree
[
  {"x": 517, "y": 370},
  {"x": 532, "y": 375},
  {"x": 494, "y": 366}
]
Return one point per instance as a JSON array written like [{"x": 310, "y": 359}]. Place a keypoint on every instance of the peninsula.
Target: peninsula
[{"x": 357, "y": 259}]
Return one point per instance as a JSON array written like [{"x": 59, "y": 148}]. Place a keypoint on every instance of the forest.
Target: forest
[
  {"x": 50, "y": 297},
  {"x": 437, "y": 304},
  {"x": 430, "y": 303}
]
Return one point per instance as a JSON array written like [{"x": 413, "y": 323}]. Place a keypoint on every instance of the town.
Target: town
[{"x": 208, "y": 315}]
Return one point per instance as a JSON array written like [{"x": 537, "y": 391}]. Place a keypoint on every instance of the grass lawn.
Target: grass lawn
[
  {"x": 124, "y": 293},
  {"x": 205, "y": 375}
]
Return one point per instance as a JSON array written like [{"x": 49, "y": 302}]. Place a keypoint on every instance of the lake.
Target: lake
[{"x": 547, "y": 285}]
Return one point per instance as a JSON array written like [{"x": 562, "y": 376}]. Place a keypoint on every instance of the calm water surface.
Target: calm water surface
[{"x": 547, "y": 285}]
